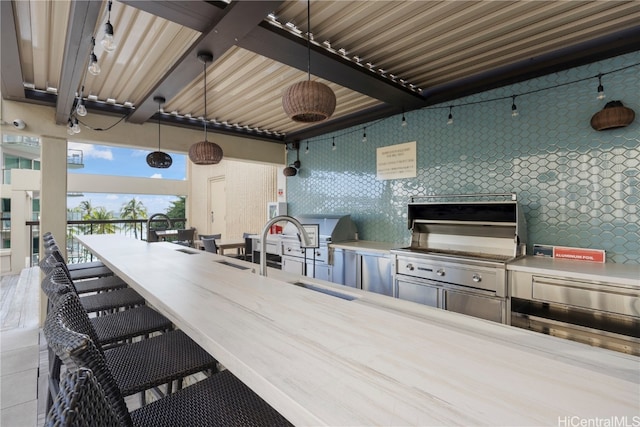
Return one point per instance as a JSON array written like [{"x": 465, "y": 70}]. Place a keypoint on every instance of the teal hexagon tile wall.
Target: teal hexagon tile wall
[{"x": 577, "y": 187}]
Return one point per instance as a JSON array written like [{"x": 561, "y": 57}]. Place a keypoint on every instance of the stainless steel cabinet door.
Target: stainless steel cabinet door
[
  {"x": 376, "y": 274},
  {"x": 423, "y": 294},
  {"x": 351, "y": 269},
  {"x": 322, "y": 272}
]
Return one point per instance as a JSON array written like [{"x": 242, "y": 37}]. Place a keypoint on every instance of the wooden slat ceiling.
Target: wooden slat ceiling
[{"x": 384, "y": 56}]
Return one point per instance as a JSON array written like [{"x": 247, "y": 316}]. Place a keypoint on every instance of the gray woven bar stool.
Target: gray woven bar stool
[
  {"x": 98, "y": 284},
  {"x": 49, "y": 240},
  {"x": 141, "y": 365},
  {"x": 220, "y": 400},
  {"x": 111, "y": 329},
  {"x": 80, "y": 402},
  {"x": 112, "y": 300},
  {"x": 80, "y": 273}
]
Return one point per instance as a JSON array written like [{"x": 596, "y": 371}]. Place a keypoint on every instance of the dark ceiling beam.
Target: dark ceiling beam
[
  {"x": 282, "y": 46},
  {"x": 83, "y": 16},
  {"x": 365, "y": 116},
  {"x": 184, "y": 122},
  {"x": 119, "y": 111},
  {"x": 195, "y": 14},
  {"x": 227, "y": 26},
  {"x": 10, "y": 66}
]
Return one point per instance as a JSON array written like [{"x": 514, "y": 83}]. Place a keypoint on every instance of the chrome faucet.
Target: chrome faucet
[
  {"x": 263, "y": 238},
  {"x": 166, "y": 217}
]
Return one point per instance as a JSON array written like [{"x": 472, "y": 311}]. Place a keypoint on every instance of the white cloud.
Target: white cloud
[
  {"x": 156, "y": 175},
  {"x": 89, "y": 150},
  {"x": 112, "y": 197}
]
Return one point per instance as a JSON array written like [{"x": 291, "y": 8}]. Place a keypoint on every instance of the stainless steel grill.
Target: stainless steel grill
[
  {"x": 316, "y": 262},
  {"x": 458, "y": 255}
]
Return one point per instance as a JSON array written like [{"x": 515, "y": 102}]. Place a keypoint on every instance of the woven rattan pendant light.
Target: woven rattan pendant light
[
  {"x": 159, "y": 159},
  {"x": 614, "y": 115},
  {"x": 292, "y": 169},
  {"x": 308, "y": 101},
  {"x": 205, "y": 152}
]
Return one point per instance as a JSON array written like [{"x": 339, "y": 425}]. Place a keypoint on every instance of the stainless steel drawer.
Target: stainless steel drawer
[
  {"x": 602, "y": 297},
  {"x": 488, "y": 308}
]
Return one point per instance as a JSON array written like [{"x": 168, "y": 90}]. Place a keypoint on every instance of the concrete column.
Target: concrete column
[
  {"x": 25, "y": 184},
  {"x": 53, "y": 196},
  {"x": 21, "y": 209}
]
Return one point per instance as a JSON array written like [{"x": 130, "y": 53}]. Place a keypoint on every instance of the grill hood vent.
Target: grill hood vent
[{"x": 336, "y": 228}]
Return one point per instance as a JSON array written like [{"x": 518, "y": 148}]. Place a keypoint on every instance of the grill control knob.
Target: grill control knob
[
  {"x": 440, "y": 272},
  {"x": 476, "y": 278},
  {"x": 410, "y": 267}
]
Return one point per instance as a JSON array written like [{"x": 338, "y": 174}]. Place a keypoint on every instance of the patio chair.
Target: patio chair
[
  {"x": 185, "y": 236},
  {"x": 209, "y": 244}
]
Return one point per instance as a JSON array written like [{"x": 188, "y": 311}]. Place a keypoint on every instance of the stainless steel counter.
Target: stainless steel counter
[
  {"x": 617, "y": 274},
  {"x": 594, "y": 303}
]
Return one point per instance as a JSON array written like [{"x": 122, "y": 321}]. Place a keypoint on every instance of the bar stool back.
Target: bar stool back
[
  {"x": 80, "y": 402},
  {"x": 220, "y": 400}
]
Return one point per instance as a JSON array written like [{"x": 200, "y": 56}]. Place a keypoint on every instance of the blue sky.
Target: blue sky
[{"x": 107, "y": 160}]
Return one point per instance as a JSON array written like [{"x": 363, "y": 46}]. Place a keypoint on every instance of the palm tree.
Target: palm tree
[
  {"x": 133, "y": 209},
  {"x": 85, "y": 209},
  {"x": 73, "y": 214},
  {"x": 85, "y": 206},
  {"x": 177, "y": 209},
  {"x": 101, "y": 213}
]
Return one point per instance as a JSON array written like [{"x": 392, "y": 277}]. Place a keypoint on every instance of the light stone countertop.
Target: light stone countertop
[
  {"x": 618, "y": 274},
  {"x": 374, "y": 360}
]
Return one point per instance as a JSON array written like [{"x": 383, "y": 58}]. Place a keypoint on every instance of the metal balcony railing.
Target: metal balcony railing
[
  {"x": 136, "y": 228},
  {"x": 75, "y": 159}
]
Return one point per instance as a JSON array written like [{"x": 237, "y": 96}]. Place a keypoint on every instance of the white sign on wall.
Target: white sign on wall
[{"x": 396, "y": 161}]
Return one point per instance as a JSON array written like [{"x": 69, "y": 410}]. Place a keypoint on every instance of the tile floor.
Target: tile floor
[{"x": 20, "y": 348}]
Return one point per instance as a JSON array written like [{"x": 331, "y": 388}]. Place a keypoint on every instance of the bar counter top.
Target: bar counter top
[{"x": 358, "y": 358}]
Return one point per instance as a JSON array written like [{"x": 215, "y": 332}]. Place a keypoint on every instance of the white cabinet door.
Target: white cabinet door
[{"x": 292, "y": 265}]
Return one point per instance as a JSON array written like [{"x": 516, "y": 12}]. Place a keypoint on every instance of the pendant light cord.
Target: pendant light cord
[
  {"x": 309, "y": 40},
  {"x": 159, "y": 104},
  {"x": 205, "y": 100}
]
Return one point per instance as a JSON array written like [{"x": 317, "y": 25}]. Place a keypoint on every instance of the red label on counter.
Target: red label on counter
[{"x": 594, "y": 255}]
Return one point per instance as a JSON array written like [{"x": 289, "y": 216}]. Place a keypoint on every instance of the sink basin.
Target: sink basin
[
  {"x": 324, "y": 291},
  {"x": 188, "y": 251},
  {"x": 230, "y": 264}
]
